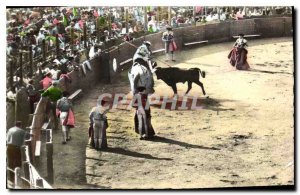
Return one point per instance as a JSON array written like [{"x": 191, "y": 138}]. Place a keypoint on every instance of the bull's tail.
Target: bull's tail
[{"x": 202, "y": 73}]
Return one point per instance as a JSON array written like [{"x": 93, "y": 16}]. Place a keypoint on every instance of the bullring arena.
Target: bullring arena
[{"x": 243, "y": 135}]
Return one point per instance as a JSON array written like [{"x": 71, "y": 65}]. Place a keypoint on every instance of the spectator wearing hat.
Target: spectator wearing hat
[
  {"x": 170, "y": 46},
  {"x": 15, "y": 138}
]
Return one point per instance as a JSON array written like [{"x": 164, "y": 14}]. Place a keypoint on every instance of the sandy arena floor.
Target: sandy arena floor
[{"x": 243, "y": 136}]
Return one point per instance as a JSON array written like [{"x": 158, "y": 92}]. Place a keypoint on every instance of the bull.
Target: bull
[{"x": 173, "y": 75}]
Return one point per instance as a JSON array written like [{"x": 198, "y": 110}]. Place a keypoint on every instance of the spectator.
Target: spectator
[
  {"x": 189, "y": 21},
  {"x": 150, "y": 28},
  {"x": 138, "y": 27},
  {"x": 222, "y": 15},
  {"x": 15, "y": 138},
  {"x": 32, "y": 95},
  {"x": 210, "y": 17},
  {"x": 239, "y": 15},
  {"x": 255, "y": 13},
  {"x": 47, "y": 81},
  {"x": 174, "y": 23},
  {"x": 153, "y": 25},
  {"x": 232, "y": 15}
]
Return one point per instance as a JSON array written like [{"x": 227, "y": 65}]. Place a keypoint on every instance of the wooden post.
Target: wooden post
[
  {"x": 194, "y": 14},
  {"x": 29, "y": 144},
  {"x": 49, "y": 135},
  {"x": 44, "y": 50},
  {"x": 169, "y": 15},
  {"x": 145, "y": 19},
  {"x": 8, "y": 175},
  {"x": 11, "y": 75},
  {"x": 85, "y": 41},
  {"x": 26, "y": 170},
  {"x": 126, "y": 19},
  {"x": 97, "y": 30},
  {"x": 18, "y": 181},
  {"x": 30, "y": 61},
  {"x": 57, "y": 45},
  {"x": 72, "y": 39},
  {"x": 205, "y": 11},
  {"x": 50, "y": 170},
  {"x": 109, "y": 23},
  {"x": 49, "y": 151},
  {"x": 39, "y": 183},
  {"x": 84, "y": 35},
  {"x": 34, "y": 106},
  {"x": 218, "y": 10},
  {"x": 21, "y": 69},
  {"x": 24, "y": 156},
  {"x": 158, "y": 14}
]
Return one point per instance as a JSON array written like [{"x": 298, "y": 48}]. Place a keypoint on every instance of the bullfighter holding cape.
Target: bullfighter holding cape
[
  {"x": 170, "y": 45},
  {"x": 238, "y": 55}
]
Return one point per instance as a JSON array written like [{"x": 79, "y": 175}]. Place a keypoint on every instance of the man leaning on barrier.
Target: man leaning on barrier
[
  {"x": 15, "y": 138},
  {"x": 54, "y": 93}
]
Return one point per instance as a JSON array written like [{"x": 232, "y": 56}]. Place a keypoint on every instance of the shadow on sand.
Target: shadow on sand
[
  {"x": 132, "y": 153},
  {"x": 269, "y": 72},
  {"x": 179, "y": 143},
  {"x": 194, "y": 103}
]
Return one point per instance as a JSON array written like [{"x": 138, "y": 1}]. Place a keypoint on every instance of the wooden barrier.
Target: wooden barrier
[
  {"x": 44, "y": 50},
  {"x": 158, "y": 50},
  {"x": 21, "y": 68},
  {"x": 38, "y": 146},
  {"x": 125, "y": 62},
  {"x": 197, "y": 42},
  {"x": 28, "y": 143},
  {"x": 49, "y": 151},
  {"x": 75, "y": 94},
  {"x": 18, "y": 181},
  {"x": 26, "y": 170},
  {"x": 11, "y": 75},
  {"x": 245, "y": 36}
]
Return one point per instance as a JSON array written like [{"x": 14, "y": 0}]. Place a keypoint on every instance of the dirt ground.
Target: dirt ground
[{"x": 242, "y": 136}]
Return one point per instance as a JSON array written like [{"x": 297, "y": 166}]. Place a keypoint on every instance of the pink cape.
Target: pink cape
[
  {"x": 70, "y": 120},
  {"x": 172, "y": 46}
]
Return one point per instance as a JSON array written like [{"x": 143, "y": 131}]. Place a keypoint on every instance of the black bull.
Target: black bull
[{"x": 173, "y": 75}]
